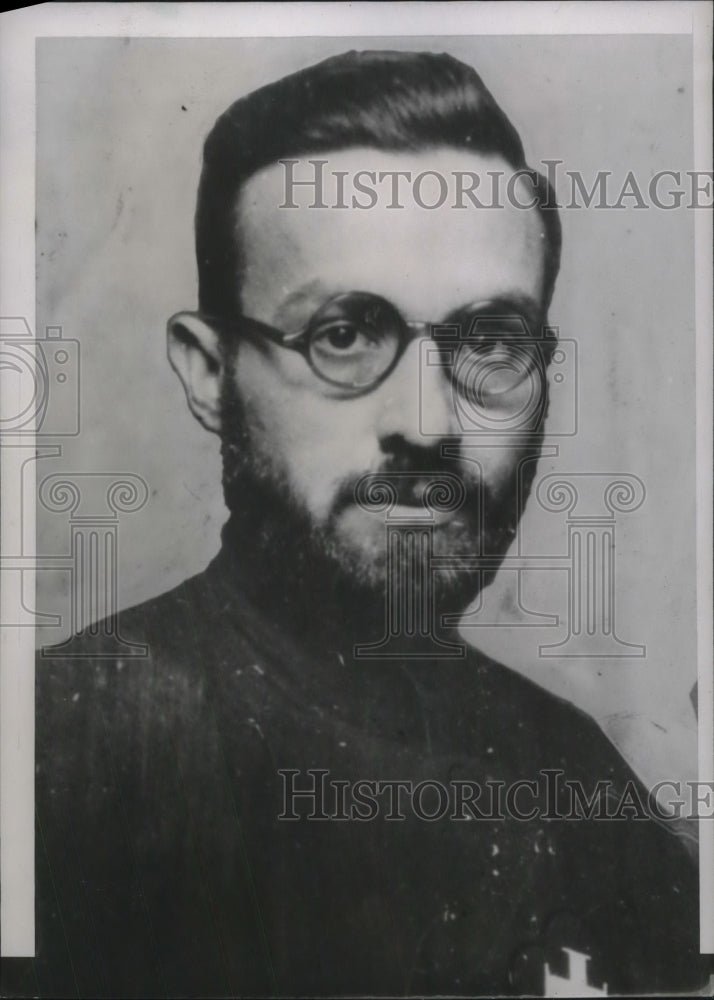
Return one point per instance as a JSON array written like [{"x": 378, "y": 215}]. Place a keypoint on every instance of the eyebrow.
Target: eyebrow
[
  {"x": 315, "y": 293},
  {"x": 507, "y": 304},
  {"x": 507, "y": 300}
]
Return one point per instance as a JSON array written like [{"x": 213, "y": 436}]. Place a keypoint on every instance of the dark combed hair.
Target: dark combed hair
[{"x": 393, "y": 101}]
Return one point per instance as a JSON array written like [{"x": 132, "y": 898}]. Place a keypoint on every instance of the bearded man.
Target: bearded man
[{"x": 257, "y": 806}]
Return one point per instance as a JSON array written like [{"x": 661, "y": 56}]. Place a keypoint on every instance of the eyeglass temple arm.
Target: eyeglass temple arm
[{"x": 272, "y": 332}]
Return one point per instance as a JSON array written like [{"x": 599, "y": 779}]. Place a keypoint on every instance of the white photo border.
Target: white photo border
[{"x": 20, "y": 29}]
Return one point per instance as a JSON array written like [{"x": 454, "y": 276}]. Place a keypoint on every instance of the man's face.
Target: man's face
[{"x": 293, "y": 437}]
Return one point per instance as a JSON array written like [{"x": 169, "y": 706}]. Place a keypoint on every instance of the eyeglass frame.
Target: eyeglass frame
[{"x": 300, "y": 340}]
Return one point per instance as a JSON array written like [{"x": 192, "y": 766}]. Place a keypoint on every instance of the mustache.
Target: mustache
[{"x": 439, "y": 487}]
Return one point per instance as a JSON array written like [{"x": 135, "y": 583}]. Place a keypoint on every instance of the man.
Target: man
[{"x": 255, "y": 807}]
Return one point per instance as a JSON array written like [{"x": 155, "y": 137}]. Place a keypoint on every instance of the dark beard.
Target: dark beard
[{"x": 323, "y": 590}]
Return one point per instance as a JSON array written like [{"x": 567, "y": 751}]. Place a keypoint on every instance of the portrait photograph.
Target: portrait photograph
[{"x": 356, "y": 556}]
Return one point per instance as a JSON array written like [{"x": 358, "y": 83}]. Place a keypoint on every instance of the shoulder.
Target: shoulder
[
  {"x": 542, "y": 730},
  {"x": 118, "y": 653},
  {"x": 131, "y": 678},
  {"x": 521, "y": 701},
  {"x": 175, "y": 628},
  {"x": 120, "y": 635}
]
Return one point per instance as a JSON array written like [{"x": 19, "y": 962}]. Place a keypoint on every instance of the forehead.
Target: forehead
[{"x": 426, "y": 260}]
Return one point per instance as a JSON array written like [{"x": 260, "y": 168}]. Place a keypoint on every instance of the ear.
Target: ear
[{"x": 194, "y": 350}]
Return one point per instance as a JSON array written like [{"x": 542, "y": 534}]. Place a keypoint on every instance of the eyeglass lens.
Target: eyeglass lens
[{"x": 355, "y": 339}]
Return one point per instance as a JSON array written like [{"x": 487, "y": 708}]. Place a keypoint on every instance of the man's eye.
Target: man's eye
[
  {"x": 342, "y": 338},
  {"x": 350, "y": 354},
  {"x": 489, "y": 374}
]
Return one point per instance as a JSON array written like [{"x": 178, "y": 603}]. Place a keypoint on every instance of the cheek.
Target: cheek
[
  {"x": 498, "y": 464},
  {"x": 313, "y": 443}
]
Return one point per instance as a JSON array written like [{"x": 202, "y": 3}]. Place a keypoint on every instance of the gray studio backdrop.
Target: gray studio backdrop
[{"x": 120, "y": 125}]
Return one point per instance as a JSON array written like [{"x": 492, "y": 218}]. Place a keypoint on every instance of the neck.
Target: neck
[{"x": 312, "y": 598}]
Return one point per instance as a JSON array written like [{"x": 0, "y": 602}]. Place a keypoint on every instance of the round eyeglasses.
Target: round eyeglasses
[{"x": 355, "y": 340}]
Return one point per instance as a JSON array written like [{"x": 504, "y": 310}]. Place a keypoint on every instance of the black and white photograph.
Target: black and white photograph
[{"x": 356, "y": 556}]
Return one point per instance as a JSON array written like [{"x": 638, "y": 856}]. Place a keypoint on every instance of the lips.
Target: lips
[
  {"x": 413, "y": 493},
  {"x": 412, "y": 512}
]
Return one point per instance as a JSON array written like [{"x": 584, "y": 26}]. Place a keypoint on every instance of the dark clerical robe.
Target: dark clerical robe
[{"x": 210, "y": 822}]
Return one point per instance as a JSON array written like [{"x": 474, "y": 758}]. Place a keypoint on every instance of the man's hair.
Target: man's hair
[{"x": 394, "y": 101}]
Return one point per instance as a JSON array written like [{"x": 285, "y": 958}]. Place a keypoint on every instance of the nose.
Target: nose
[{"x": 416, "y": 402}]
